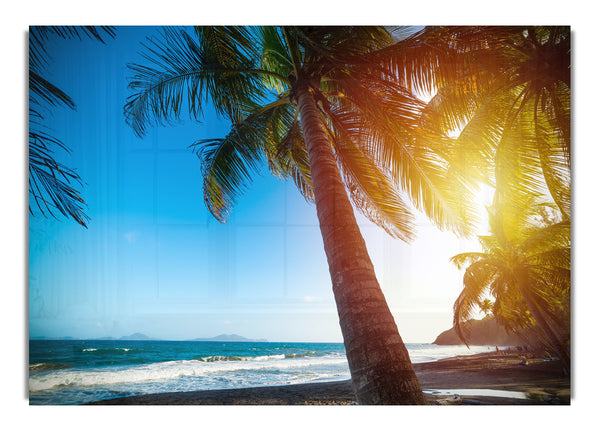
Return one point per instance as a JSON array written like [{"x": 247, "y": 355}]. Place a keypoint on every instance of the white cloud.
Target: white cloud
[{"x": 131, "y": 237}]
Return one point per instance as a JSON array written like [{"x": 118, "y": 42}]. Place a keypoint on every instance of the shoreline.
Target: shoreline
[{"x": 543, "y": 381}]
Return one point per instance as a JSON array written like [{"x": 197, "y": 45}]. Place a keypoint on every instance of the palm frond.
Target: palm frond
[
  {"x": 343, "y": 44},
  {"x": 181, "y": 72},
  {"x": 476, "y": 280},
  {"x": 435, "y": 57},
  {"x": 526, "y": 264},
  {"x": 50, "y": 182},
  {"x": 276, "y": 57},
  {"x": 370, "y": 187},
  {"x": 39, "y": 35},
  {"x": 228, "y": 45},
  {"x": 554, "y": 160},
  {"x": 462, "y": 259},
  {"x": 227, "y": 164},
  {"x": 559, "y": 259},
  {"x": 480, "y": 121},
  {"x": 290, "y": 157},
  {"x": 519, "y": 177},
  {"x": 42, "y": 91},
  {"x": 552, "y": 237},
  {"x": 391, "y": 135}
]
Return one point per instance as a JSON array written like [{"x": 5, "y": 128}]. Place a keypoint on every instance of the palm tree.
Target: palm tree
[
  {"x": 486, "y": 306},
  {"x": 50, "y": 182},
  {"x": 525, "y": 267},
  {"x": 313, "y": 104}
]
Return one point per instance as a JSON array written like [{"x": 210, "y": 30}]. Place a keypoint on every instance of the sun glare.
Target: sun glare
[{"x": 483, "y": 199}]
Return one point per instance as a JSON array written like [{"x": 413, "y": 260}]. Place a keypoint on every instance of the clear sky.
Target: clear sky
[{"x": 153, "y": 260}]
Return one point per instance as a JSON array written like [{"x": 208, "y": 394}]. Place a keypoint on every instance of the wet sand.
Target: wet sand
[{"x": 543, "y": 381}]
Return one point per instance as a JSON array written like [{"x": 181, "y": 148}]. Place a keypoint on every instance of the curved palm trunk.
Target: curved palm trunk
[{"x": 379, "y": 363}]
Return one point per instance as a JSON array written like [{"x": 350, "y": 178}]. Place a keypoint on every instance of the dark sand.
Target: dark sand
[{"x": 544, "y": 381}]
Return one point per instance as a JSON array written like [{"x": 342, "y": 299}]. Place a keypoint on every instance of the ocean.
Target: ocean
[{"x": 67, "y": 372}]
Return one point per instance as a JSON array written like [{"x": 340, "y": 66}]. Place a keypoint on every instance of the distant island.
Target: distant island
[
  {"x": 138, "y": 336},
  {"x": 231, "y": 337},
  {"x": 484, "y": 332}
]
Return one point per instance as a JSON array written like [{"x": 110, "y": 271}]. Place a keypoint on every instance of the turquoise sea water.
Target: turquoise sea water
[{"x": 80, "y": 371}]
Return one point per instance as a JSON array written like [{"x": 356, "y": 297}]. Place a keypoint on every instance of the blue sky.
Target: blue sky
[{"x": 153, "y": 259}]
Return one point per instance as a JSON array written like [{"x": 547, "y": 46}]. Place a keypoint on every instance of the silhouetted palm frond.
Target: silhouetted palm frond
[{"x": 52, "y": 184}]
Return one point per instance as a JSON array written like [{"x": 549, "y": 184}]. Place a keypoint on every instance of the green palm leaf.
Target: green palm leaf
[
  {"x": 228, "y": 164},
  {"x": 182, "y": 71},
  {"x": 289, "y": 157}
]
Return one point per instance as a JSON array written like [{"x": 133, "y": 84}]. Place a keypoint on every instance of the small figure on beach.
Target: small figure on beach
[
  {"x": 497, "y": 350},
  {"x": 523, "y": 360}
]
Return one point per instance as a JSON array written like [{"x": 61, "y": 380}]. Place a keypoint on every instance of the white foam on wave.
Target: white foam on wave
[
  {"x": 217, "y": 358},
  {"x": 91, "y": 349},
  {"x": 170, "y": 370},
  {"x": 221, "y": 369},
  {"x": 432, "y": 352},
  {"x": 266, "y": 358}
]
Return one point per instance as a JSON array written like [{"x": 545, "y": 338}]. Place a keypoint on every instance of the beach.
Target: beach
[{"x": 485, "y": 378}]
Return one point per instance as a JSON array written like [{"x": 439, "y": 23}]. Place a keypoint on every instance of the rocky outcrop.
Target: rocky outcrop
[{"x": 485, "y": 332}]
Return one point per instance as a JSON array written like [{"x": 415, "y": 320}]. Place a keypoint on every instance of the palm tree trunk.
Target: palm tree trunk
[{"x": 379, "y": 363}]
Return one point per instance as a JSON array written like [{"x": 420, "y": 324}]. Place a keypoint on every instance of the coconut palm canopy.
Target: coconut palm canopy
[
  {"x": 511, "y": 104},
  {"x": 526, "y": 268},
  {"x": 388, "y": 161}
]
